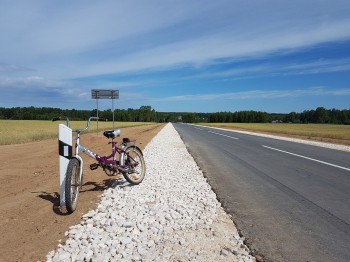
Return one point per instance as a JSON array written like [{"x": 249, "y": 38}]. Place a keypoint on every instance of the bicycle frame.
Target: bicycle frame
[
  {"x": 133, "y": 170},
  {"x": 104, "y": 161}
]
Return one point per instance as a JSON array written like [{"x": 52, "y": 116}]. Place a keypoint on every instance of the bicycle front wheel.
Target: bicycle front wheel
[
  {"x": 73, "y": 184},
  {"x": 135, "y": 165}
]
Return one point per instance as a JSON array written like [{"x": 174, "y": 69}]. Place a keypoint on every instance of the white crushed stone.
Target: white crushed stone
[{"x": 173, "y": 215}]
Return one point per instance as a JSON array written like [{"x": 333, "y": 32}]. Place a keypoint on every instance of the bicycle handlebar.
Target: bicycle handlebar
[
  {"x": 61, "y": 118},
  {"x": 87, "y": 124}
]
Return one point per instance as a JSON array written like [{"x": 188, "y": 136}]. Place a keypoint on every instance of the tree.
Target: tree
[{"x": 320, "y": 115}]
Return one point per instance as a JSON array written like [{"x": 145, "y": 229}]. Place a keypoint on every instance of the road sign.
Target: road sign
[{"x": 104, "y": 94}]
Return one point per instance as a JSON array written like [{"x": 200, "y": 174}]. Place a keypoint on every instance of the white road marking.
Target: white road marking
[
  {"x": 198, "y": 128},
  {"x": 309, "y": 158},
  {"x": 223, "y": 135}
]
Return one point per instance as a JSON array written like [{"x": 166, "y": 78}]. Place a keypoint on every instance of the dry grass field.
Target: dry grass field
[
  {"x": 320, "y": 132},
  {"x": 23, "y": 131}
]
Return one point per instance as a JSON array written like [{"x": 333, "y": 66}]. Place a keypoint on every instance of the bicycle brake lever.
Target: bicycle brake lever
[{"x": 55, "y": 119}]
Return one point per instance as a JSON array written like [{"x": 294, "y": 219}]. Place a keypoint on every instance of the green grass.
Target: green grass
[
  {"x": 310, "y": 131},
  {"x": 23, "y": 131}
]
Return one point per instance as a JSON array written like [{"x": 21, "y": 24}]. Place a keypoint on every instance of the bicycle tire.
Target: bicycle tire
[
  {"x": 72, "y": 185},
  {"x": 135, "y": 165}
]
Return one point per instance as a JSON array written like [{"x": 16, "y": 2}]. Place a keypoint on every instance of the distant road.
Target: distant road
[{"x": 290, "y": 201}]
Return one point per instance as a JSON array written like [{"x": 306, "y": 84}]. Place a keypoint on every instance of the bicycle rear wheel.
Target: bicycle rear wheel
[
  {"x": 135, "y": 165},
  {"x": 73, "y": 184}
]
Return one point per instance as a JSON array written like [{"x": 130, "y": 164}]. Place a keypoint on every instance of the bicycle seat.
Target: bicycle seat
[{"x": 112, "y": 134}]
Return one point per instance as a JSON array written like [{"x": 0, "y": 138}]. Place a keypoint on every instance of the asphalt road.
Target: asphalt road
[{"x": 290, "y": 201}]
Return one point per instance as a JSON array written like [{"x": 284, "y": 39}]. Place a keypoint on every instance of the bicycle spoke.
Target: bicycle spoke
[{"x": 135, "y": 166}]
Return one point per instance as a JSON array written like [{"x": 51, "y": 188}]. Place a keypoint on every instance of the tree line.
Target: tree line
[
  {"x": 143, "y": 114},
  {"x": 148, "y": 114},
  {"x": 320, "y": 116}
]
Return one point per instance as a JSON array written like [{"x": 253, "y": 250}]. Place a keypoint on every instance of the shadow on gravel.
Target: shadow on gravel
[
  {"x": 107, "y": 183},
  {"x": 120, "y": 183}
]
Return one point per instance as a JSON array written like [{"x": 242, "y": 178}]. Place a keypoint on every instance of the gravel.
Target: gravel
[{"x": 173, "y": 215}]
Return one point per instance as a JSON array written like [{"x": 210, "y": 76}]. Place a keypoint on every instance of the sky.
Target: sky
[{"x": 275, "y": 56}]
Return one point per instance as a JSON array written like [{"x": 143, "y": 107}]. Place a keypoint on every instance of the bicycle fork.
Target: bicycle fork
[
  {"x": 80, "y": 148},
  {"x": 81, "y": 162}
]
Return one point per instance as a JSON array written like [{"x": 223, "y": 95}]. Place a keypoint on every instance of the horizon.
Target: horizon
[
  {"x": 175, "y": 112},
  {"x": 198, "y": 56}
]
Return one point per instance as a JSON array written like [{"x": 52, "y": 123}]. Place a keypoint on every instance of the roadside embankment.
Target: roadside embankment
[{"x": 173, "y": 215}]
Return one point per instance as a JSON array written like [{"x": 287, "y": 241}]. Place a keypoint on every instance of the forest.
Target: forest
[{"x": 320, "y": 115}]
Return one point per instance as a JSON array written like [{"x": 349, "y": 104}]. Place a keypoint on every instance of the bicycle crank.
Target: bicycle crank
[{"x": 94, "y": 166}]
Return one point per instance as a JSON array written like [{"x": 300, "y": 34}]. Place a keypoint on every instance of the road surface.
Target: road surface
[{"x": 290, "y": 201}]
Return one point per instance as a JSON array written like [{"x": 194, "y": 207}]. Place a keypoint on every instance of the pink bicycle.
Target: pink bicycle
[{"x": 130, "y": 163}]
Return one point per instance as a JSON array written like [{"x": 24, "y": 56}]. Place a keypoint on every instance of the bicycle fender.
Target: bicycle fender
[
  {"x": 121, "y": 157},
  {"x": 81, "y": 164}
]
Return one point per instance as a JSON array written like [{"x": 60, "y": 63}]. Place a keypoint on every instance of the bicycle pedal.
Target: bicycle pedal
[{"x": 94, "y": 166}]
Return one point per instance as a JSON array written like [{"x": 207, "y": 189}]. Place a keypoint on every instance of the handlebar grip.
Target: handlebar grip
[
  {"x": 98, "y": 118},
  {"x": 56, "y": 119}
]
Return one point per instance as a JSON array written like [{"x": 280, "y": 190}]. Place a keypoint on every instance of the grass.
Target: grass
[
  {"x": 23, "y": 131},
  {"x": 320, "y": 132}
]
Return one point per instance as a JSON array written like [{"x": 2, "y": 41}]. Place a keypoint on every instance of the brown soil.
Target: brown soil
[{"x": 31, "y": 221}]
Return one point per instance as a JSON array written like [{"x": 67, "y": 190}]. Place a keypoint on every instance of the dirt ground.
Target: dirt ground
[{"x": 31, "y": 222}]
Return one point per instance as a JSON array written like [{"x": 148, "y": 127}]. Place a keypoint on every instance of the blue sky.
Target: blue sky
[{"x": 199, "y": 56}]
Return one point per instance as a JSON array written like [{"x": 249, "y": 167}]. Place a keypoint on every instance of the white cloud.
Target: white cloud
[
  {"x": 285, "y": 68},
  {"x": 208, "y": 49},
  {"x": 261, "y": 94},
  {"x": 46, "y": 44},
  {"x": 11, "y": 68},
  {"x": 45, "y": 28},
  {"x": 85, "y": 38},
  {"x": 30, "y": 82}
]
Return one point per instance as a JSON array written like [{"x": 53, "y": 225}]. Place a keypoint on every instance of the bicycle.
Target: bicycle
[{"x": 130, "y": 164}]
